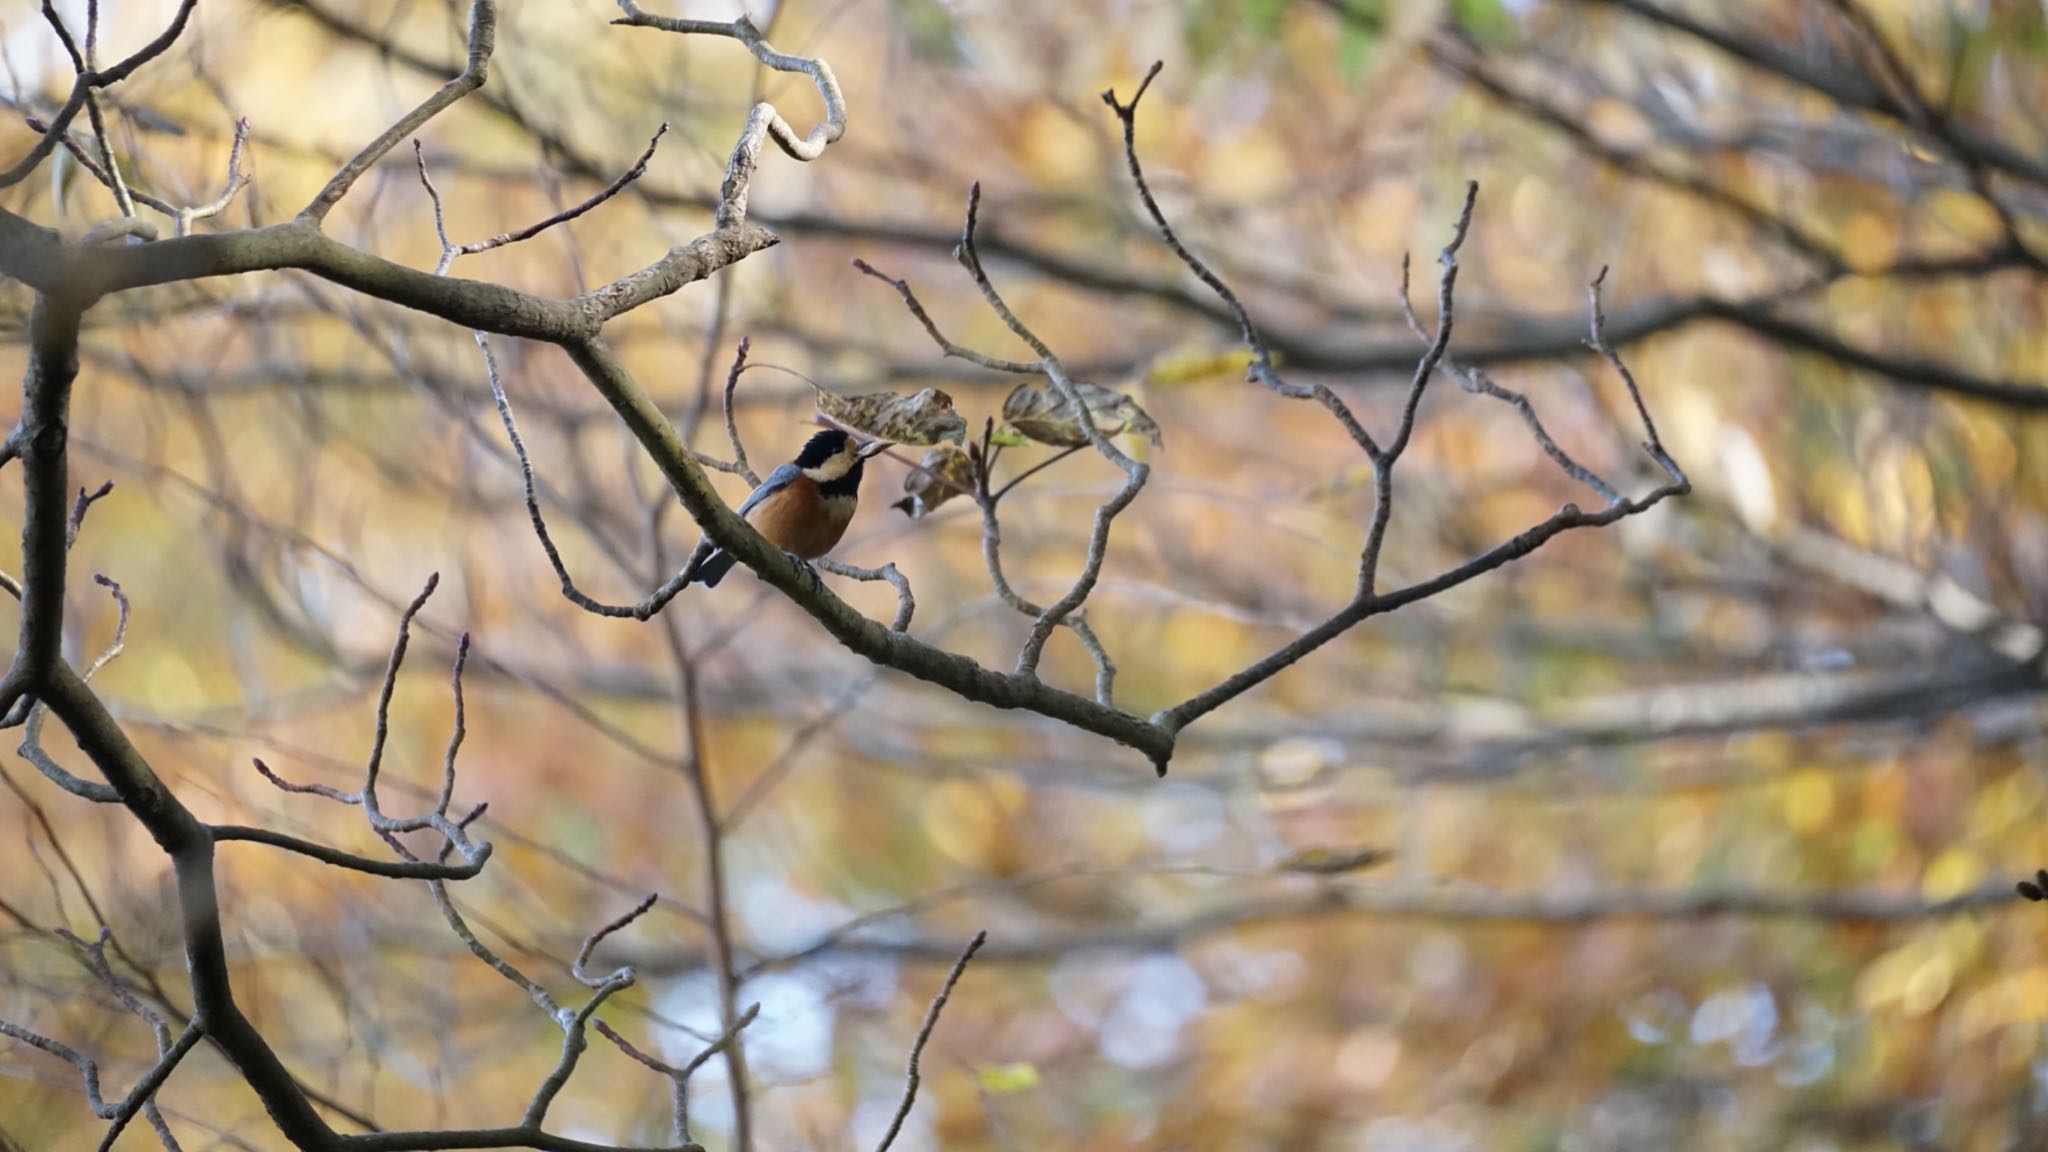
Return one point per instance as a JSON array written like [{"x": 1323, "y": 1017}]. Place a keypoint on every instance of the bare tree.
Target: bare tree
[{"x": 74, "y": 277}]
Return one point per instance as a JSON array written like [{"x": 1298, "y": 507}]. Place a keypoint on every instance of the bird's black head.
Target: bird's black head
[{"x": 821, "y": 448}]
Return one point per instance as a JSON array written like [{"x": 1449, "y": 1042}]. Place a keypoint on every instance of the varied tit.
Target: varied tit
[{"x": 803, "y": 507}]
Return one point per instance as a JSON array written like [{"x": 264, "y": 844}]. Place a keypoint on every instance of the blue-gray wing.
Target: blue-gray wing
[{"x": 783, "y": 474}]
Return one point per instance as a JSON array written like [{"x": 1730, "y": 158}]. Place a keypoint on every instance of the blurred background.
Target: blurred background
[{"x": 1695, "y": 832}]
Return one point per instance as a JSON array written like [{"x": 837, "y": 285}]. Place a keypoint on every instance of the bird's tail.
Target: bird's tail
[{"x": 714, "y": 568}]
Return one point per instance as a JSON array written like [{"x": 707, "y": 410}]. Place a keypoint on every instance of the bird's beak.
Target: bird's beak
[{"x": 873, "y": 448}]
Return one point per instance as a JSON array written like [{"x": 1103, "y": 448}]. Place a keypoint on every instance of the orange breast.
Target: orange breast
[{"x": 800, "y": 519}]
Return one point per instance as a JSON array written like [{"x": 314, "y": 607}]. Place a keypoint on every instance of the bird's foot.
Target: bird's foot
[{"x": 804, "y": 568}]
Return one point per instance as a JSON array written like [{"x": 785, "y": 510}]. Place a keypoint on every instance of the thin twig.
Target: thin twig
[
  {"x": 992, "y": 559},
  {"x": 1425, "y": 369},
  {"x": 394, "y": 869},
  {"x": 142, "y": 1097},
  {"x": 451, "y": 251},
  {"x": 87, "y": 65},
  {"x": 947, "y": 347},
  {"x": 1261, "y": 370},
  {"x": 1034, "y": 470},
  {"x": 679, "y": 1078},
  {"x": 82, "y": 88},
  {"x": 924, "y": 1034},
  {"x": 1135, "y": 471},
  {"x": 182, "y": 216},
  {"x": 483, "y": 32},
  {"x": 645, "y": 609},
  {"x": 591, "y": 942},
  {"x": 31, "y": 748},
  {"x": 1366, "y": 603},
  {"x": 236, "y": 181},
  {"x": 1480, "y": 381},
  {"x": 1598, "y": 342},
  {"x": 732, "y": 428},
  {"x": 764, "y": 123},
  {"x": 574, "y": 1043},
  {"x": 453, "y": 833},
  {"x": 81, "y": 506},
  {"x": 906, "y": 604}
]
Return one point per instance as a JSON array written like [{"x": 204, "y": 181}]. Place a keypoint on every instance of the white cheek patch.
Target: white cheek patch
[{"x": 831, "y": 469}]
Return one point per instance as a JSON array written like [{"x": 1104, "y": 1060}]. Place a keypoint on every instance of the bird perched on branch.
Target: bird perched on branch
[{"x": 804, "y": 506}]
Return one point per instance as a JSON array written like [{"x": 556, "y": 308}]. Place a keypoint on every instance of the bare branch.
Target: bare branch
[
  {"x": 88, "y": 80},
  {"x": 1922, "y": 116},
  {"x": 679, "y": 1078},
  {"x": 591, "y": 942},
  {"x": 1384, "y": 461},
  {"x": 1479, "y": 381},
  {"x": 763, "y": 121},
  {"x": 182, "y": 216},
  {"x": 85, "y": 65},
  {"x": 95, "y": 166},
  {"x": 574, "y": 1044},
  {"x": 539, "y": 995},
  {"x": 1034, "y": 470},
  {"x": 453, "y": 833},
  {"x": 906, "y": 604},
  {"x": 85, "y": 1065},
  {"x": 732, "y": 428},
  {"x": 992, "y": 559},
  {"x": 1459, "y": 59},
  {"x": 946, "y": 347},
  {"x": 1261, "y": 370},
  {"x": 450, "y": 251},
  {"x": 645, "y": 609},
  {"x": 865, "y": 637},
  {"x": 31, "y": 256},
  {"x": 574, "y": 1041},
  {"x": 382, "y": 730},
  {"x": 924, "y": 1034},
  {"x": 1598, "y": 342},
  {"x": 483, "y": 31},
  {"x": 283, "y": 785},
  {"x": 80, "y": 507},
  {"x": 31, "y": 750},
  {"x": 395, "y": 869},
  {"x": 1135, "y": 471},
  {"x": 140, "y": 1097},
  {"x": 1366, "y": 602},
  {"x": 237, "y": 180},
  {"x": 1448, "y": 902}
]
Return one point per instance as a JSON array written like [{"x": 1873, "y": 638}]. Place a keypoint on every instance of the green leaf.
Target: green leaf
[
  {"x": 1359, "y": 25},
  {"x": 1263, "y": 16},
  {"x": 1002, "y": 1079},
  {"x": 929, "y": 30},
  {"x": 1202, "y": 29},
  {"x": 1486, "y": 21}
]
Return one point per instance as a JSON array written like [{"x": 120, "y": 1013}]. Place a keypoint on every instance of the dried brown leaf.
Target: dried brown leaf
[
  {"x": 926, "y": 417},
  {"x": 939, "y": 477},
  {"x": 1323, "y": 861},
  {"x": 1041, "y": 413}
]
